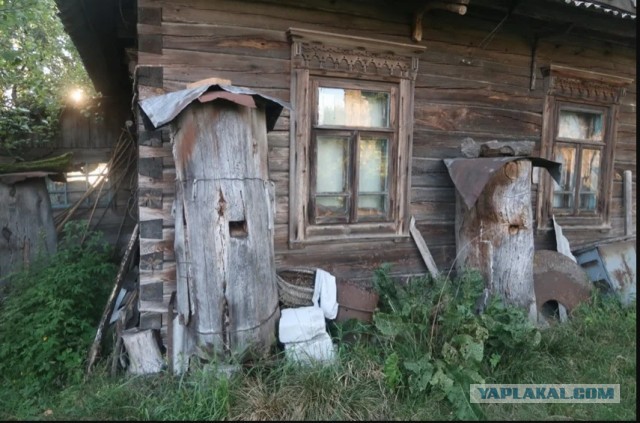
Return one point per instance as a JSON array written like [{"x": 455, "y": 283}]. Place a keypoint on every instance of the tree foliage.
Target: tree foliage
[{"x": 39, "y": 66}]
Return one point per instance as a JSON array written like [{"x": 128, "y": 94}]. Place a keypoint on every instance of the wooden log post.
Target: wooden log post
[
  {"x": 143, "y": 351},
  {"x": 495, "y": 236}
]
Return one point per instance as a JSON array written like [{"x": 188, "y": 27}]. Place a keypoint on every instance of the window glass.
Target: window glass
[
  {"x": 332, "y": 164},
  {"x": 78, "y": 182},
  {"x": 563, "y": 192},
  {"x": 331, "y": 207},
  {"x": 350, "y": 107},
  {"x": 373, "y": 156},
  {"x": 580, "y": 125},
  {"x": 590, "y": 169}
]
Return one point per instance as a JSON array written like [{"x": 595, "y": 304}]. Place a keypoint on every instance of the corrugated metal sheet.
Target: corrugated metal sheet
[
  {"x": 164, "y": 108},
  {"x": 625, "y": 9}
]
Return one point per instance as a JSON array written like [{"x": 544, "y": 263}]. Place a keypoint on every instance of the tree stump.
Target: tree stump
[{"x": 495, "y": 236}]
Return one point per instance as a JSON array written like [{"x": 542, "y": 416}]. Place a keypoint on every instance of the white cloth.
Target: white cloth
[
  {"x": 318, "y": 349},
  {"x": 300, "y": 324},
  {"x": 325, "y": 291}
]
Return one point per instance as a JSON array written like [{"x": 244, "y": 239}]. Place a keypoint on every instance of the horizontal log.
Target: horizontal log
[
  {"x": 165, "y": 275},
  {"x": 148, "y": 246},
  {"x": 444, "y": 117},
  {"x": 155, "y": 152}
]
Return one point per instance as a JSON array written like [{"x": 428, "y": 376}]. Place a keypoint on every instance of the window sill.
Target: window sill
[
  {"x": 346, "y": 238},
  {"x": 604, "y": 228}
]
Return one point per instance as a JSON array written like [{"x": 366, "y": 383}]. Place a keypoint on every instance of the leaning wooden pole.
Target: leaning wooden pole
[{"x": 108, "y": 309}]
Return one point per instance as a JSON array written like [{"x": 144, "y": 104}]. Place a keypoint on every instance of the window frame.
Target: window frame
[
  {"x": 350, "y": 60},
  {"x": 354, "y": 134},
  {"x": 580, "y": 145},
  {"x": 580, "y": 91},
  {"x": 62, "y": 189}
]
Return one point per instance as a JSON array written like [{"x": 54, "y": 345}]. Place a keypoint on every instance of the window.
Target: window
[
  {"x": 65, "y": 194},
  {"x": 350, "y": 136},
  {"x": 578, "y": 145},
  {"x": 579, "y": 132}
]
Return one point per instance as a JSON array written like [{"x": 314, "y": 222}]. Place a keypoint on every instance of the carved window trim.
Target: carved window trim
[
  {"x": 317, "y": 54},
  {"x": 578, "y": 89}
]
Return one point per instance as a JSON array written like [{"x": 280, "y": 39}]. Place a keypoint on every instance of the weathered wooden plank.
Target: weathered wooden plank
[
  {"x": 279, "y": 159},
  {"x": 422, "y": 247},
  {"x": 166, "y": 275},
  {"x": 155, "y": 152},
  {"x": 436, "y": 144},
  {"x": 150, "y": 15},
  {"x": 173, "y": 57},
  {"x": 274, "y": 16},
  {"x": 151, "y": 229},
  {"x": 257, "y": 77},
  {"x": 151, "y": 198},
  {"x": 166, "y": 184},
  {"x": 629, "y": 227},
  {"x": 150, "y": 76},
  {"x": 445, "y": 117},
  {"x": 435, "y": 212},
  {"x": 165, "y": 245},
  {"x": 148, "y": 213},
  {"x": 239, "y": 41}
]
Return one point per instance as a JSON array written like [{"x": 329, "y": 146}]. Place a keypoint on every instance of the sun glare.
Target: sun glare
[{"x": 77, "y": 95}]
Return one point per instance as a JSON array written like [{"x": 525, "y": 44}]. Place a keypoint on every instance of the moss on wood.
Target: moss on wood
[{"x": 60, "y": 163}]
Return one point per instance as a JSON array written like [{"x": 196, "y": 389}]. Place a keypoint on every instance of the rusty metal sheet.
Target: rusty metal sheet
[
  {"x": 557, "y": 278},
  {"x": 611, "y": 264},
  {"x": 12, "y": 178},
  {"x": 164, "y": 108},
  {"x": 470, "y": 176}
]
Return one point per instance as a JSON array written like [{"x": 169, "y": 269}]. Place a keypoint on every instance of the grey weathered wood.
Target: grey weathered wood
[
  {"x": 628, "y": 203},
  {"x": 26, "y": 224},
  {"x": 495, "y": 236},
  {"x": 143, "y": 351},
  {"x": 224, "y": 202},
  {"x": 108, "y": 309},
  {"x": 422, "y": 246}
]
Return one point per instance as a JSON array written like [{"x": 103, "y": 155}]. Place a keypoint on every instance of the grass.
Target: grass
[{"x": 598, "y": 345}]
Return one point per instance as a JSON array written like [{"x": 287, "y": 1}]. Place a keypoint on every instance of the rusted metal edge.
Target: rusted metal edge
[
  {"x": 470, "y": 176},
  {"x": 164, "y": 108}
]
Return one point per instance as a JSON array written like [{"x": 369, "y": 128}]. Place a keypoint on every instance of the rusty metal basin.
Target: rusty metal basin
[{"x": 558, "y": 278}]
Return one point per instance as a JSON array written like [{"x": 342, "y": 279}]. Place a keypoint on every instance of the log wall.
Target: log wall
[{"x": 462, "y": 90}]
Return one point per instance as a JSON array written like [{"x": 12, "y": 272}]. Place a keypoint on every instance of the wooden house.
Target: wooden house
[{"x": 381, "y": 92}]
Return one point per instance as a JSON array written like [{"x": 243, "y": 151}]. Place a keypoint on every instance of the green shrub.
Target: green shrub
[
  {"x": 434, "y": 343},
  {"x": 50, "y": 313}
]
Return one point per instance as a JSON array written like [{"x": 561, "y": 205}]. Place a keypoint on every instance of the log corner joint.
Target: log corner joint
[{"x": 455, "y": 6}]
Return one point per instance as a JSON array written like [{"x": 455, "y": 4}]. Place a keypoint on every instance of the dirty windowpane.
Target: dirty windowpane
[
  {"x": 332, "y": 164},
  {"x": 332, "y": 167},
  {"x": 590, "y": 176},
  {"x": 580, "y": 125},
  {"x": 373, "y": 159},
  {"x": 563, "y": 193},
  {"x": 331, "y": 207},
  {"x": 348, "y": 107}
]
